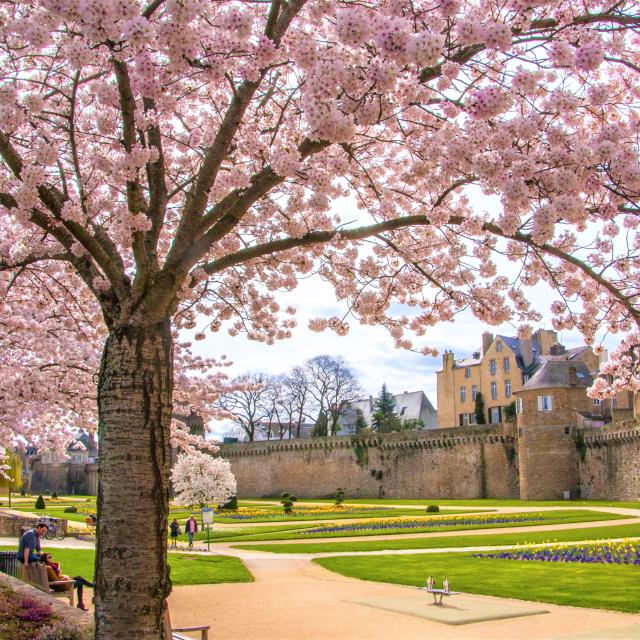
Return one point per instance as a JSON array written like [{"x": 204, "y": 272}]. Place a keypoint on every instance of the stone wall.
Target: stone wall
[
  {"x": 443, "y": 463},
  {"x": 63, "y": 478},
  {"x": 609, "y": 462}
]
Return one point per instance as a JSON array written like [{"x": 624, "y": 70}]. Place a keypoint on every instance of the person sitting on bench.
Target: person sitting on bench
[
  {"x": 30, "y": 544},
  {"x": 54, "y": 574}
]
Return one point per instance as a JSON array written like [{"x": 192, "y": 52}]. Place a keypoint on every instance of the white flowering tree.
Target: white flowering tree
[{"x": 199, "y": 479}]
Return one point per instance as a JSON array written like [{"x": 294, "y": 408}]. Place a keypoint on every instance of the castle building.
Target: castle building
[
  {"x": 500, "y": 370},
  {"x": 74, "y": 472}
]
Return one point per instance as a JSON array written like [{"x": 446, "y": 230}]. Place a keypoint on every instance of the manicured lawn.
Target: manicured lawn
[
  {"x": 185, "y": 568},
  {"x": 480, "y": 502},
  {"x": 445, "y": 542},
  {"x": 58, "y": 511},
  {"x": 550, "y": 517},
  {"x": 597, "y": 586},
  {"x": 240, "y": 533}
]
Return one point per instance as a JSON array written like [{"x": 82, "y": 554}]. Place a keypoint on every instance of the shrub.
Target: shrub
[
  {"x": 40, "y": 503},
  {"x": 433, "y": 508},
  {"x": 71, "y": 509},
  {"x": 287, "y": 501},
  {"x": 339, "y": 496},
  {"x": 54, "y": 496},
  {"x": 63, "y": 630},
  {"x": 230, "y": 505}
]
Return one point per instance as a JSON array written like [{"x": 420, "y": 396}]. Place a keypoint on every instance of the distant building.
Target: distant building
[
  {"x": 272, "y": 430},
  {"x": 409, "y": 406},
  {"x": 504, "y": 366},
  {"x": 74, "y": 472}
]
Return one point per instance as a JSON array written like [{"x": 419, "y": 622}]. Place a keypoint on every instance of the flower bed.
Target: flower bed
[
  {"x": 244, "y": 513},
  {"x": 625, "y": 552},
  {"x": 425, "y": 523}
]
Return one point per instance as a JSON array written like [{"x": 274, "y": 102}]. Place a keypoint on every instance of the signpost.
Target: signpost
[{"x": 207, "y": 519}]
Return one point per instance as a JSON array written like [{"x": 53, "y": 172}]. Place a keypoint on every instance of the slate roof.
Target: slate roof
[{"x": 555, "y": 372}]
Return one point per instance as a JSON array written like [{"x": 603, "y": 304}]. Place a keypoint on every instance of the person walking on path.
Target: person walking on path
[
  {"x": 191, "y": 527},
  {"x": 54, "y": 574},
  {"x": 30, "y": 544},
  {"x": 174, "y": 528}
]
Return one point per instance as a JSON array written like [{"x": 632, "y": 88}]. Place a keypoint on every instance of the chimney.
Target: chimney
[
  {"x": 545, "y": 338},
  {"x": 487, "y": 339},
  {"x": 447, "y": 360}
]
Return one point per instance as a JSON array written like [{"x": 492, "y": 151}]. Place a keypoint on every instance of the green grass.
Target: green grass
[
  {"x": 480, "y": 502},
  {"x": 58, "y": 512},
  {"x": 552, "y": 517},
  {"x": 185, "y": 568},
  {"x": 597, "y": 586},
  {"x": 225, "y": 535},
  {"x": 447, "y": 542}
]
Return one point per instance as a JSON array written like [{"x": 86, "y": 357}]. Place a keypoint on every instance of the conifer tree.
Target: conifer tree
[
  {"x": 480, "y": 419},
  {"x": 384, "y": 410}
]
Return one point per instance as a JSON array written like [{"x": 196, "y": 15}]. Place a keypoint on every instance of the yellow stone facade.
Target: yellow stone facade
[{"x": 494, "y": 373}]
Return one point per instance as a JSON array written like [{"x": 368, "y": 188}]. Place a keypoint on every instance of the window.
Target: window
[
  {"x": 597, "y": 402},
  {"x": 545, "y": 403},
  {"x": 507, "y": 388},
  {"x": 495, "y": 415},
  {"x": 472, "y": 418},
  {"x": 463, "y": 394},
  {"x": 567, "y": 431},
  {"x": 519, "y": 406},
  {"x": 463, "y": 419},
  {"x": 403, "y": 410},
  {"x": 614, "y": 403},
  {"x": 494, "y": 390},
  {"x": 474, "y": 391},
  {"x": 492, "y": 366},
  {"x": 498, "y": 346},
  {"x": 467, "y": 372},
  {"x": 506, "y": 365}
]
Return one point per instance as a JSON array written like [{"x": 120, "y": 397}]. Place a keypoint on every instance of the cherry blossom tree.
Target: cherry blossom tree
[
  {"x": 200, "y": 479},
  {"x": 173, "y": 164}
]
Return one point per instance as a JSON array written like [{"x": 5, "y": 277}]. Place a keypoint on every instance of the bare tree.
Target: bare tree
[
  {"x": 332, "y": 386},
  {"x": 295, "y": 396},
  {"x": 245, "y": 405},
  {"x": 271, "y": 402}
]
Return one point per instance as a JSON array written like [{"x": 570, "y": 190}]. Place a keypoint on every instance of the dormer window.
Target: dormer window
[{"x": 498, "y": 345}]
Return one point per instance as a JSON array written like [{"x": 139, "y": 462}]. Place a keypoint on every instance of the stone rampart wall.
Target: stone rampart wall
[
  {"x": 443, "y": 463},
  {"x": 609, "y": 462}
]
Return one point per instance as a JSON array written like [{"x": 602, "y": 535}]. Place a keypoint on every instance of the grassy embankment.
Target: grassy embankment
[
  {"x": 185, "y": 568},
  {"x": 600, "y": 586},
  {"x": 448, "y": 542}
]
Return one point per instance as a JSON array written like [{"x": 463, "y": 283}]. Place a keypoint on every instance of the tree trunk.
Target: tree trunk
[{"x": 134, "y": 405}]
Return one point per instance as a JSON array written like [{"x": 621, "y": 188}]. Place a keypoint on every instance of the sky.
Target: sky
[{"x": 369, "y": 351}]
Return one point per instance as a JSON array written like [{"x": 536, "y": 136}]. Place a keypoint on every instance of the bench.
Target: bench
[
  {"x": 438, "y": 594},
  {"x": 170, "y": 633},
  {"x": 35, "y": 574}
]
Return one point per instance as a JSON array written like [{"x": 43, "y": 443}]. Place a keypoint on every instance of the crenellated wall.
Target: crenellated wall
[
  {"x": 443, "y": 463},
  {"x": 609, "y": 462}
]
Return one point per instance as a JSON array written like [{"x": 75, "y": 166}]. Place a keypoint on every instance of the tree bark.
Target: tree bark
[{"x": 134, "y": 408}]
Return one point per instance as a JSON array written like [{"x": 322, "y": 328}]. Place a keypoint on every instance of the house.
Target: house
[{"x": 413, "y": 405}]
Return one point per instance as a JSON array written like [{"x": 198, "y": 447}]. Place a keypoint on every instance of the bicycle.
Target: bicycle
[{"x": 54, "y": 530}]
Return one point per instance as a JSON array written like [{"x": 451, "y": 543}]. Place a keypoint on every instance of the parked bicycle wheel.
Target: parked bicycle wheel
[
  {"x": 59, "y": 532},
  {"x": 50, "y": 533}
]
